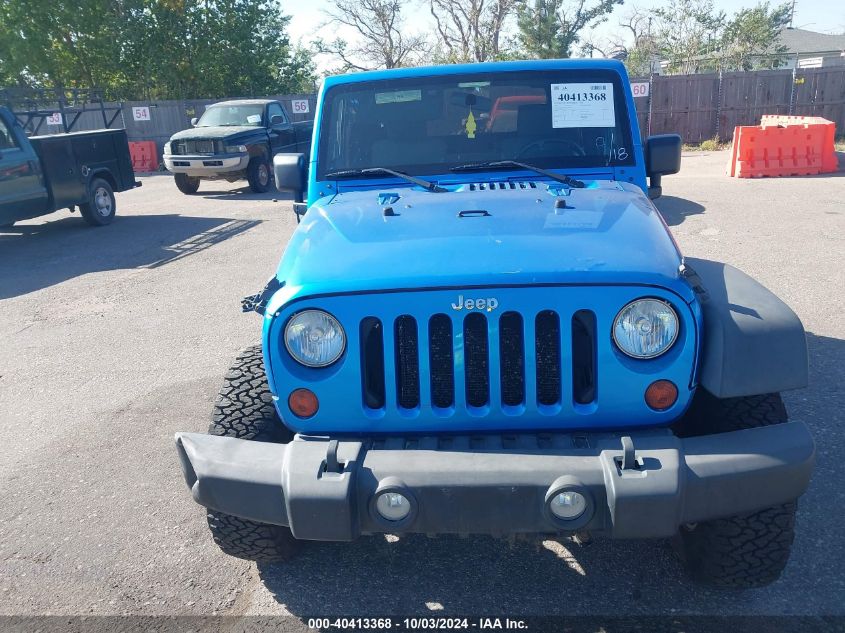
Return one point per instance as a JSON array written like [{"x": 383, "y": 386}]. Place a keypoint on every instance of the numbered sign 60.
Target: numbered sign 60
[{"x": 640, "y": 89}]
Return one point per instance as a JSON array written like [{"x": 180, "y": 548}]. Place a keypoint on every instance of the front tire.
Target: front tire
[
  {"x": 244, "y": 409},
  {"x": 100, "y": 207},
  {"x": 258, "y": 174},
  {"x": 749, "y": 550},
  {"x": 188, "y": 185}
]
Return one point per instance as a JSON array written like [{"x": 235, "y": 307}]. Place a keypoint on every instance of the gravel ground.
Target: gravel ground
[{"x": 114, "y": 338}]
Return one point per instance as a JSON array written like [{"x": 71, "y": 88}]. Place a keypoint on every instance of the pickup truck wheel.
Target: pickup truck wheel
[
  {"x": 186, "y": 184},
  {"x": 749, "y": 550},
  {"x": 100, "y": 207},
  {"x": 258, "y": 174},
  {"x": 244, "y": 409}
]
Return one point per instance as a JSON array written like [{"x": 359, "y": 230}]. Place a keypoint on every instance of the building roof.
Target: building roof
[{"x": 801, "y": 41}]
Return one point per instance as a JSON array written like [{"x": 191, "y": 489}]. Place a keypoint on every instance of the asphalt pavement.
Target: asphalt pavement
[{"x": 112, "y": 339}]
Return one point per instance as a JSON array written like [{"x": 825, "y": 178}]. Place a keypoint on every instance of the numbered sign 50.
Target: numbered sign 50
[{"x": 299, "y": 106}]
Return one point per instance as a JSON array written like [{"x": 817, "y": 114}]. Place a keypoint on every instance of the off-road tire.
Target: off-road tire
[
  {"x": 749, "y": 550},
  {"x": 259, "y": 175},
  {"x": 100, "y": 206},
  {"x": 244, "y": 409},
  {"x": 188, "y": 185}
]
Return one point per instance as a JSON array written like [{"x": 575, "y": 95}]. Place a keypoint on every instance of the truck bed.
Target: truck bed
[{"x": 68, "y": 159}]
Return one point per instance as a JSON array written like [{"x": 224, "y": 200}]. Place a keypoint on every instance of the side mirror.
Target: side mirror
[
  {"x": 289, "y": 170},
  {"x": 194, "y": 121},
  {"x": 662, "y": 157},
  {"x": 277, "y": 119}
]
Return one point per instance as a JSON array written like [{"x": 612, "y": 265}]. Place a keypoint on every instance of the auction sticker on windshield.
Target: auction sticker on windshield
[{"x": 583, "y": 105}]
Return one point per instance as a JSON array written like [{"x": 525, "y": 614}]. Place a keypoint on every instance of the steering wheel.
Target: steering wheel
[{"x": 573, "y": 148}]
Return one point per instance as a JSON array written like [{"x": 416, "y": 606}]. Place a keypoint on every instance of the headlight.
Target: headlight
[
  {"x": 167, "y": 150},
  {"x": 314, "y": 338},
  {"x": 645, "y": 328},
  {"x": 234, "y": 149}
]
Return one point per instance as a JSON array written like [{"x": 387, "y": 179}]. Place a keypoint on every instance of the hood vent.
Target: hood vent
[{"x": 498, "y": 186}]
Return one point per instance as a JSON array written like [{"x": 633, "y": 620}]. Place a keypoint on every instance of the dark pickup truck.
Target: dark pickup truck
[
  {"x": 41, "y": 174},
  {"x": 234, "y": 140}
]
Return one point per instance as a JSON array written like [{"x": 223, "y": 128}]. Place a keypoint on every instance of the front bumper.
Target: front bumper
[
  {"x": 499, "y": 484},
  {"x": 206, "y": 165}
]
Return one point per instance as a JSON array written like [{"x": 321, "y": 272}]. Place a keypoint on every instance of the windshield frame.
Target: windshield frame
[
  {"x": 547, "y": 77},
  {"x": 261, "y": 107}
]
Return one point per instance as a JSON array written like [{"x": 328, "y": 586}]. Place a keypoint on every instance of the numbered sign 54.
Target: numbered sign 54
[
  {"x": 640, "y": 89},
  {"x": 299, "y": 106},
  {"x": 141, "y": 113}
]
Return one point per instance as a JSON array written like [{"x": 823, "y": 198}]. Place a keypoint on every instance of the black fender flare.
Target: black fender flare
[{"x": 752, "y": 342}]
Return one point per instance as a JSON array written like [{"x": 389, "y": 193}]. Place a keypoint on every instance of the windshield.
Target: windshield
[
  {"x": 227, "y": 115},
  {"x": 429, "y": 125}
]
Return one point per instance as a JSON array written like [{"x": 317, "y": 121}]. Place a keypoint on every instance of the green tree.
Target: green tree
[
  {"x": 688, "y": 34},
  {"x": 152, "y": 49},
  {"x": 552, "y": 28},
  {"x": 217, "y": 48},
  {"x": 751, "y": 38},
  {"x": 74, "y": 44}
]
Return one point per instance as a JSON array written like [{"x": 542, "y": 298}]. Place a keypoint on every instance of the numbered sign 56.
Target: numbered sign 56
[
  {"x": 141, "y": 113},
  {"x": 299, "y": 106},
  {"x": 640, "y": 89}
]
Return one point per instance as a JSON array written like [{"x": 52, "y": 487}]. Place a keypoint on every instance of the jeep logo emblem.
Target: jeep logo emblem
[{"x": 483, "y": 303}]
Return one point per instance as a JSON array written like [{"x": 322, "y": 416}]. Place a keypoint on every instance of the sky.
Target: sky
[{"x": 307, "y": 18}]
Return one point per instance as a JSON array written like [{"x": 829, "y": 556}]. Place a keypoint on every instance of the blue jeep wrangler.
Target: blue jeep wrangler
[{"x": 483, "y": 325}]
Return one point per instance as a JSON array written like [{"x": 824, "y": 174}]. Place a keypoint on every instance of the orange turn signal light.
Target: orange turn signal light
[
  {"x": 303, "y": 403},
  {"x": 661, "y": 394}
]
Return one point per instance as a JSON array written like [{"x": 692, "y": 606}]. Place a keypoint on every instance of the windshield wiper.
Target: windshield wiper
[
  {"x": 497, "y": 164},
  {"x": 352, "y": 173}
]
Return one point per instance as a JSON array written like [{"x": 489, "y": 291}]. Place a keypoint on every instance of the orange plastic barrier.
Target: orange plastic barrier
[
  {"x": 783, "y": 146},
  {"x": 144, "y": 155}
]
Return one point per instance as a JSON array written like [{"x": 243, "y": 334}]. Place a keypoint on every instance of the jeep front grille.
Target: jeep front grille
[
  {"x": 407, "y": 363},
  {"x": 547, "y": 344},
  {"x": 428, "y": 351},
  {"x": 372, "y": 363},
  {"x": 512, "y": 359},
  {"x": 441, "y": 361}
]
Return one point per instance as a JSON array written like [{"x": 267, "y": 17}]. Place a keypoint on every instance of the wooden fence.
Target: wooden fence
[
  {"x": 166, "y": 117},
  {"x": 698, "y": 107},
  {"x": 707, "y": 106}
]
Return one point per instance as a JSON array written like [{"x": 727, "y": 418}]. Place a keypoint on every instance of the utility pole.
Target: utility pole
[{"x": 792, "y": 16}]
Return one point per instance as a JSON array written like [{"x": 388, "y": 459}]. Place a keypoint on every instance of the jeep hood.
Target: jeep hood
[
  {"x": 217, "y": 132},
  {"x": 608, "y": 233}
]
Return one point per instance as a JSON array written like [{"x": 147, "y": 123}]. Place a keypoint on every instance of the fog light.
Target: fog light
[
  {"x": 303, "y": 403},
  {"x": 393, "y": 506},
  {"x": 661, "y": 394},
  {"x": 568, "y": 505}
]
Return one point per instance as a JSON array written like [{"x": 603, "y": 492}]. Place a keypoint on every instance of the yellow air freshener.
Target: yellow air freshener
[{"x": 470, "y": 125}]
